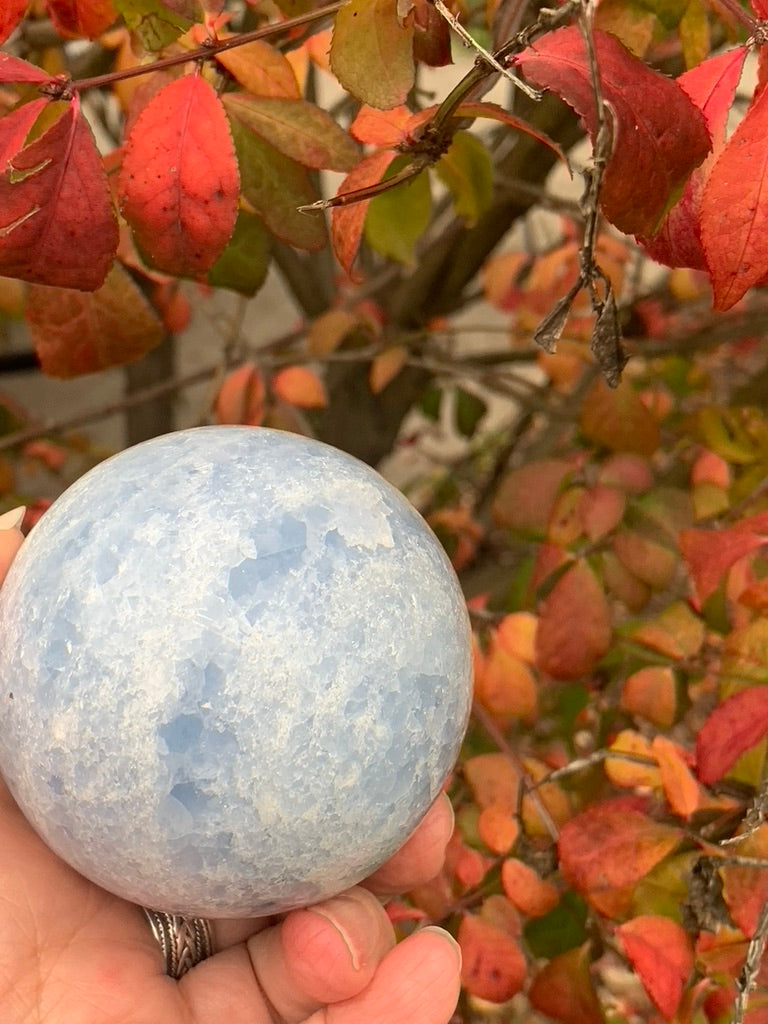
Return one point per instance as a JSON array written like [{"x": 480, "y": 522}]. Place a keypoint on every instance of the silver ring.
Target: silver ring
[{"x": 184, "y": 941}]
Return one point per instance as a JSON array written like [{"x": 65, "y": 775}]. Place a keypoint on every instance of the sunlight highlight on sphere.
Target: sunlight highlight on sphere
[{"x": 234, "y": 672}]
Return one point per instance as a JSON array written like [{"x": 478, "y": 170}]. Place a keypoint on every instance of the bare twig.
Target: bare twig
[{"x": 747, "y": 978}]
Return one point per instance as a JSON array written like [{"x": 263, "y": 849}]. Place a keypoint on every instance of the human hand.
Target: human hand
[{"x": 71, "y": 953}]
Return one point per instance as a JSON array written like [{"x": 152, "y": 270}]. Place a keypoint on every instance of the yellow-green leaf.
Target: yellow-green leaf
[
  {"x": 274, "y": 186},
  {"x": 397, "y": 218},
  {"x": 372, "y": 52},
  {"x": 243, "y": 265},
  {"x": 297, "y": 129},
  {"x": 466, "y": 170}
]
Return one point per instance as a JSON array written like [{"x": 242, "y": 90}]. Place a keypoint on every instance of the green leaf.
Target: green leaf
[
  {"x": 468, "y": 412},
  {"x": 372, "y": 52},
  {"x": 396, "y": 219},
  {"x": 243, "y": 265},
  {"x": 158, "y": 24},
  {"x": 560, "y": 930},
  {"x": 298, "y": 129},
  {"x": 275, "y": 186},
  {"x": 467, "y": 172}
]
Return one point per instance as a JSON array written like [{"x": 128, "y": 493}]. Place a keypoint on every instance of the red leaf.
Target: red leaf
[
  {"x": 10, "y": 15},
  {"x": 607, "y": 849},
  {"x": 14, "y": 69},
  {"x": 14, "y": 128},
  {"x": 734, "y": 213},
  {"x": 58, "y": 223},
  {"x": 660, "y": 952},
  {"x": 84, "y": 332},
  {"x": 563, "y": 989},
  {"x": 179, "y": 184},
  {"x": 574, "y": 625},
  {"x": 81, "y": 17},
  {"x": 347, "y": 221},
  {"x": 711, "y": 553},
  {"x": 733, "y": 727},
  {"x": 711, "y": 85},
  {"x": 493, "y": 966},
  {"x": 659, "y": 134}
]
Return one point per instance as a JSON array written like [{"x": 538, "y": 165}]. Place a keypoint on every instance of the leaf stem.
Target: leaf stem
[{"x": 210, "y": 49}]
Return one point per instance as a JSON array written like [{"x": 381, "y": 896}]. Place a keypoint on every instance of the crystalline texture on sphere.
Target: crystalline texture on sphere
[{"x": 240, "y": 672}]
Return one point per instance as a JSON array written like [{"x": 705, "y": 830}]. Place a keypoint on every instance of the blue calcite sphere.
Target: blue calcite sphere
[{"x": 235, "y": 672}]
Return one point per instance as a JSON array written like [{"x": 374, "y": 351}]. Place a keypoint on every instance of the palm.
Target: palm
[{"x": 71, "y": 953}]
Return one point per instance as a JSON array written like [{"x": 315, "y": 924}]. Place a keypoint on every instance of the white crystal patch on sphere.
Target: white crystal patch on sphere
[{"x": 234, "y": 672}]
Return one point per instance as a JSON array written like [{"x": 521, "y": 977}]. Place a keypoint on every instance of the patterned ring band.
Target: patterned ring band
[{"x": 184, "y": 941}]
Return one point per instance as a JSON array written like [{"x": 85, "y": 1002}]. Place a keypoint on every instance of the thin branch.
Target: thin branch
[
  {"x": 64, "y": 423},
  {"x": 747, "y": 979},
  {"x": 202, "y": 53},
  {"x": 527, "y": 784},
  {"x": 489, "y": 58}
]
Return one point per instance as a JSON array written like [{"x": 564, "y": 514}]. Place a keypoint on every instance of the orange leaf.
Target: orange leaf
[
  {"x": 680, "y": 787},
  {"x": 179, "y": 183},
  {"x": 732, "y": 728},
  {"x": 607, "y": 849},
  {"x": 241, "y": 397},
  {"x": 53, "y": 456},
  {"x": 87, "y": 18},
  {"x": 261, "y": 69},
  {"x": 574, "y": 629},
  {"x": 526, "y": 496},
  {"x": 651, "y": 693},
  {"x": 58, "y": 223},
  {"x": 83, "y": 332},
  {"x": 676, "y": 632},
  {"x": 493, "y": 966},
  {"x": 328, "y": 331},
  {"x": 301, "y": 387},
  {"x": 617, "y": 419},
  {"x": 563, "y": 989},
  {"x": 530, "y": 894},
  {"x": 347, "y": 221},
  {"x": 653, "y": 563},
  {"x": 733, "y": 217},
  {"x": 506, "y": 686},
  {"x": 516, "y": 633},
  {"x": 602, "y": 509},
  {"x": 386, "y": 366},
  {"x": 497, "y": 828},
  {"x": 623, "y": 772},
  {"x": 628, "y": 472},
  {"x": 492, "y": 780},
  {"x": 661, "y": 954},
  {"x": 380, "y": 127}
]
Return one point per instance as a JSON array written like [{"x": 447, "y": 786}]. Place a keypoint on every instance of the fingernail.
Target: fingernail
[
  {"x": 12, "y": 520},
  {"x": 447, "y": 937}
]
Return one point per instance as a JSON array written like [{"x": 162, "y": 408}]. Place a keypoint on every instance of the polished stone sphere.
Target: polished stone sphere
[{"x": 234, "y": 672}]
